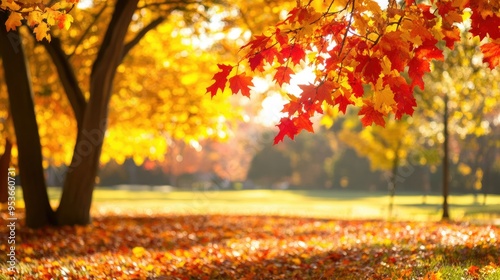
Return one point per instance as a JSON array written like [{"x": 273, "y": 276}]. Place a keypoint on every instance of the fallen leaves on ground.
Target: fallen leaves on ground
[{"x": 254, "y": 247}]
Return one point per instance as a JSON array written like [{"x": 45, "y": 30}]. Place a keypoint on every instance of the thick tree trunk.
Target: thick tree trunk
[
  {"x": 4, "y": 165},
  {"x": 80, "y": 180},
  {"x": 446, "y": 191},
  {"x": 18, "y": 80}
]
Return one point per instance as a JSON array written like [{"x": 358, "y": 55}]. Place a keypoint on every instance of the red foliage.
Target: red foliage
[
  {"x": 341, "y": 46},
  {"x": 241, "y": 82},
  {"x": 220, "y": 79},
  {"x": 287, "y": 127},
  {"x": 283, "y": 75}
]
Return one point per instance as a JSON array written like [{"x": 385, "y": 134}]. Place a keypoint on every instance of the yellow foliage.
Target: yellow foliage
[{"x": 380, "y": 145}]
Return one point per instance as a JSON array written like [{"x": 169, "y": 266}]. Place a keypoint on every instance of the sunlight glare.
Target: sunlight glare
[
  {"x": 271, "y": 110},
  {"x": 85, "y": 4}
]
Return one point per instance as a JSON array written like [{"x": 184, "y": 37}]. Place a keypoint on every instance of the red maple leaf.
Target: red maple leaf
[
  {"x": 292, "y": 107},
  {"x": 281, "y": 38},
  {"x": 416, "y": 69},
  {"x": 308, "y": 92},
  {"x": 241, "y": 82},
  {"x": 402, "y": 96},
  {"x": 256, "y": 62},
  {"x": 420, "y": 64},
  {"x": 283, "y": 75},
  {"x": 286, "y": 127},
  {"x": 257, "y": 43},
  {"x": 303, "y": 121},
  {"x": 490, "y": 25},
  {"x": 372, "y": 70},
  {"x": 343, "y": 102},
  {"x": 297, "y": 14},
  {"x": 324, "y": 91},
  {"x": 395, "y": 49},
  {"x": 363, "y": 60},
  {"x": 294, "y": 52},
  {"x": 491, "y": 52},
  {"x": 356, "y": 85},
  {"x": 370, "y": 115},
  {"x": 271, "y": 53},
  {"x": 220, "y": 79},
  {"x": 313, "y": 106}
]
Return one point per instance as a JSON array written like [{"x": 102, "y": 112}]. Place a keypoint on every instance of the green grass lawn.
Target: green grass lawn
[{"x": 314, "y": 203}]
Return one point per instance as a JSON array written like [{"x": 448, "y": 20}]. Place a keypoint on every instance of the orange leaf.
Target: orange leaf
[
  {"x": 370, "y": 115},
  {"x": 283, "y": 75},
  {"x": 13, "y": 21},
  {"x": 241, "y": 82},
  {"x": 491, "y": 52},
  {"x": 303, "y": 121},
  {"x": 324, "y": 91}
]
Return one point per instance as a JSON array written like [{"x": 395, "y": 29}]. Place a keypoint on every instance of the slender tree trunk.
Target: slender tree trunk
[
  {"x": 4, "y": 165},
  {"x": 392, "y": 184},
  {"x": 18, "y": 80},
  {"x": 446, "y": 214},
  {"x": 80, "y": 180}
]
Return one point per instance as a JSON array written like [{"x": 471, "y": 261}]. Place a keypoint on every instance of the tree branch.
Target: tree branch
[
  {"x": 68, "y": 78},
  {"x": 132, "y": 43}
]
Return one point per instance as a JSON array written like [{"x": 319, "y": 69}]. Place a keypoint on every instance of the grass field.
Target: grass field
[{"x": 314, "y": 203}]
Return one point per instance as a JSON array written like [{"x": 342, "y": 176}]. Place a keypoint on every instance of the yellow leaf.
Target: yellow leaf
[
  {"x": 34, "y": 18},
  {"x": 383, "y": 100},
  {"x": 41, "y": 31},
  {"x": 138, "y": 251}
]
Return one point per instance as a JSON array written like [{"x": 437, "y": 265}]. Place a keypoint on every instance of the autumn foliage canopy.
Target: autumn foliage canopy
[{"x": 361, "y": 55}]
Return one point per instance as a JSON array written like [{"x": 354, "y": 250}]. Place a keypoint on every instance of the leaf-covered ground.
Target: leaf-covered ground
[{"x": 255, "y": 247}]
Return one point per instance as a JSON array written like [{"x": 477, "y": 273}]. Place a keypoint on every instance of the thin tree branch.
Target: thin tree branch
[
  {"x": 132, "y": 43},
  {"x": 67, "y": 76}
]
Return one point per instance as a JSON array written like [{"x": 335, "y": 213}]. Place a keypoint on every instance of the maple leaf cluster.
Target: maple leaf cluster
[
  {"x": 38, "y": 15},
  {"x": 253, "y": 247},
  {"x": 354, "y": 45}
]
